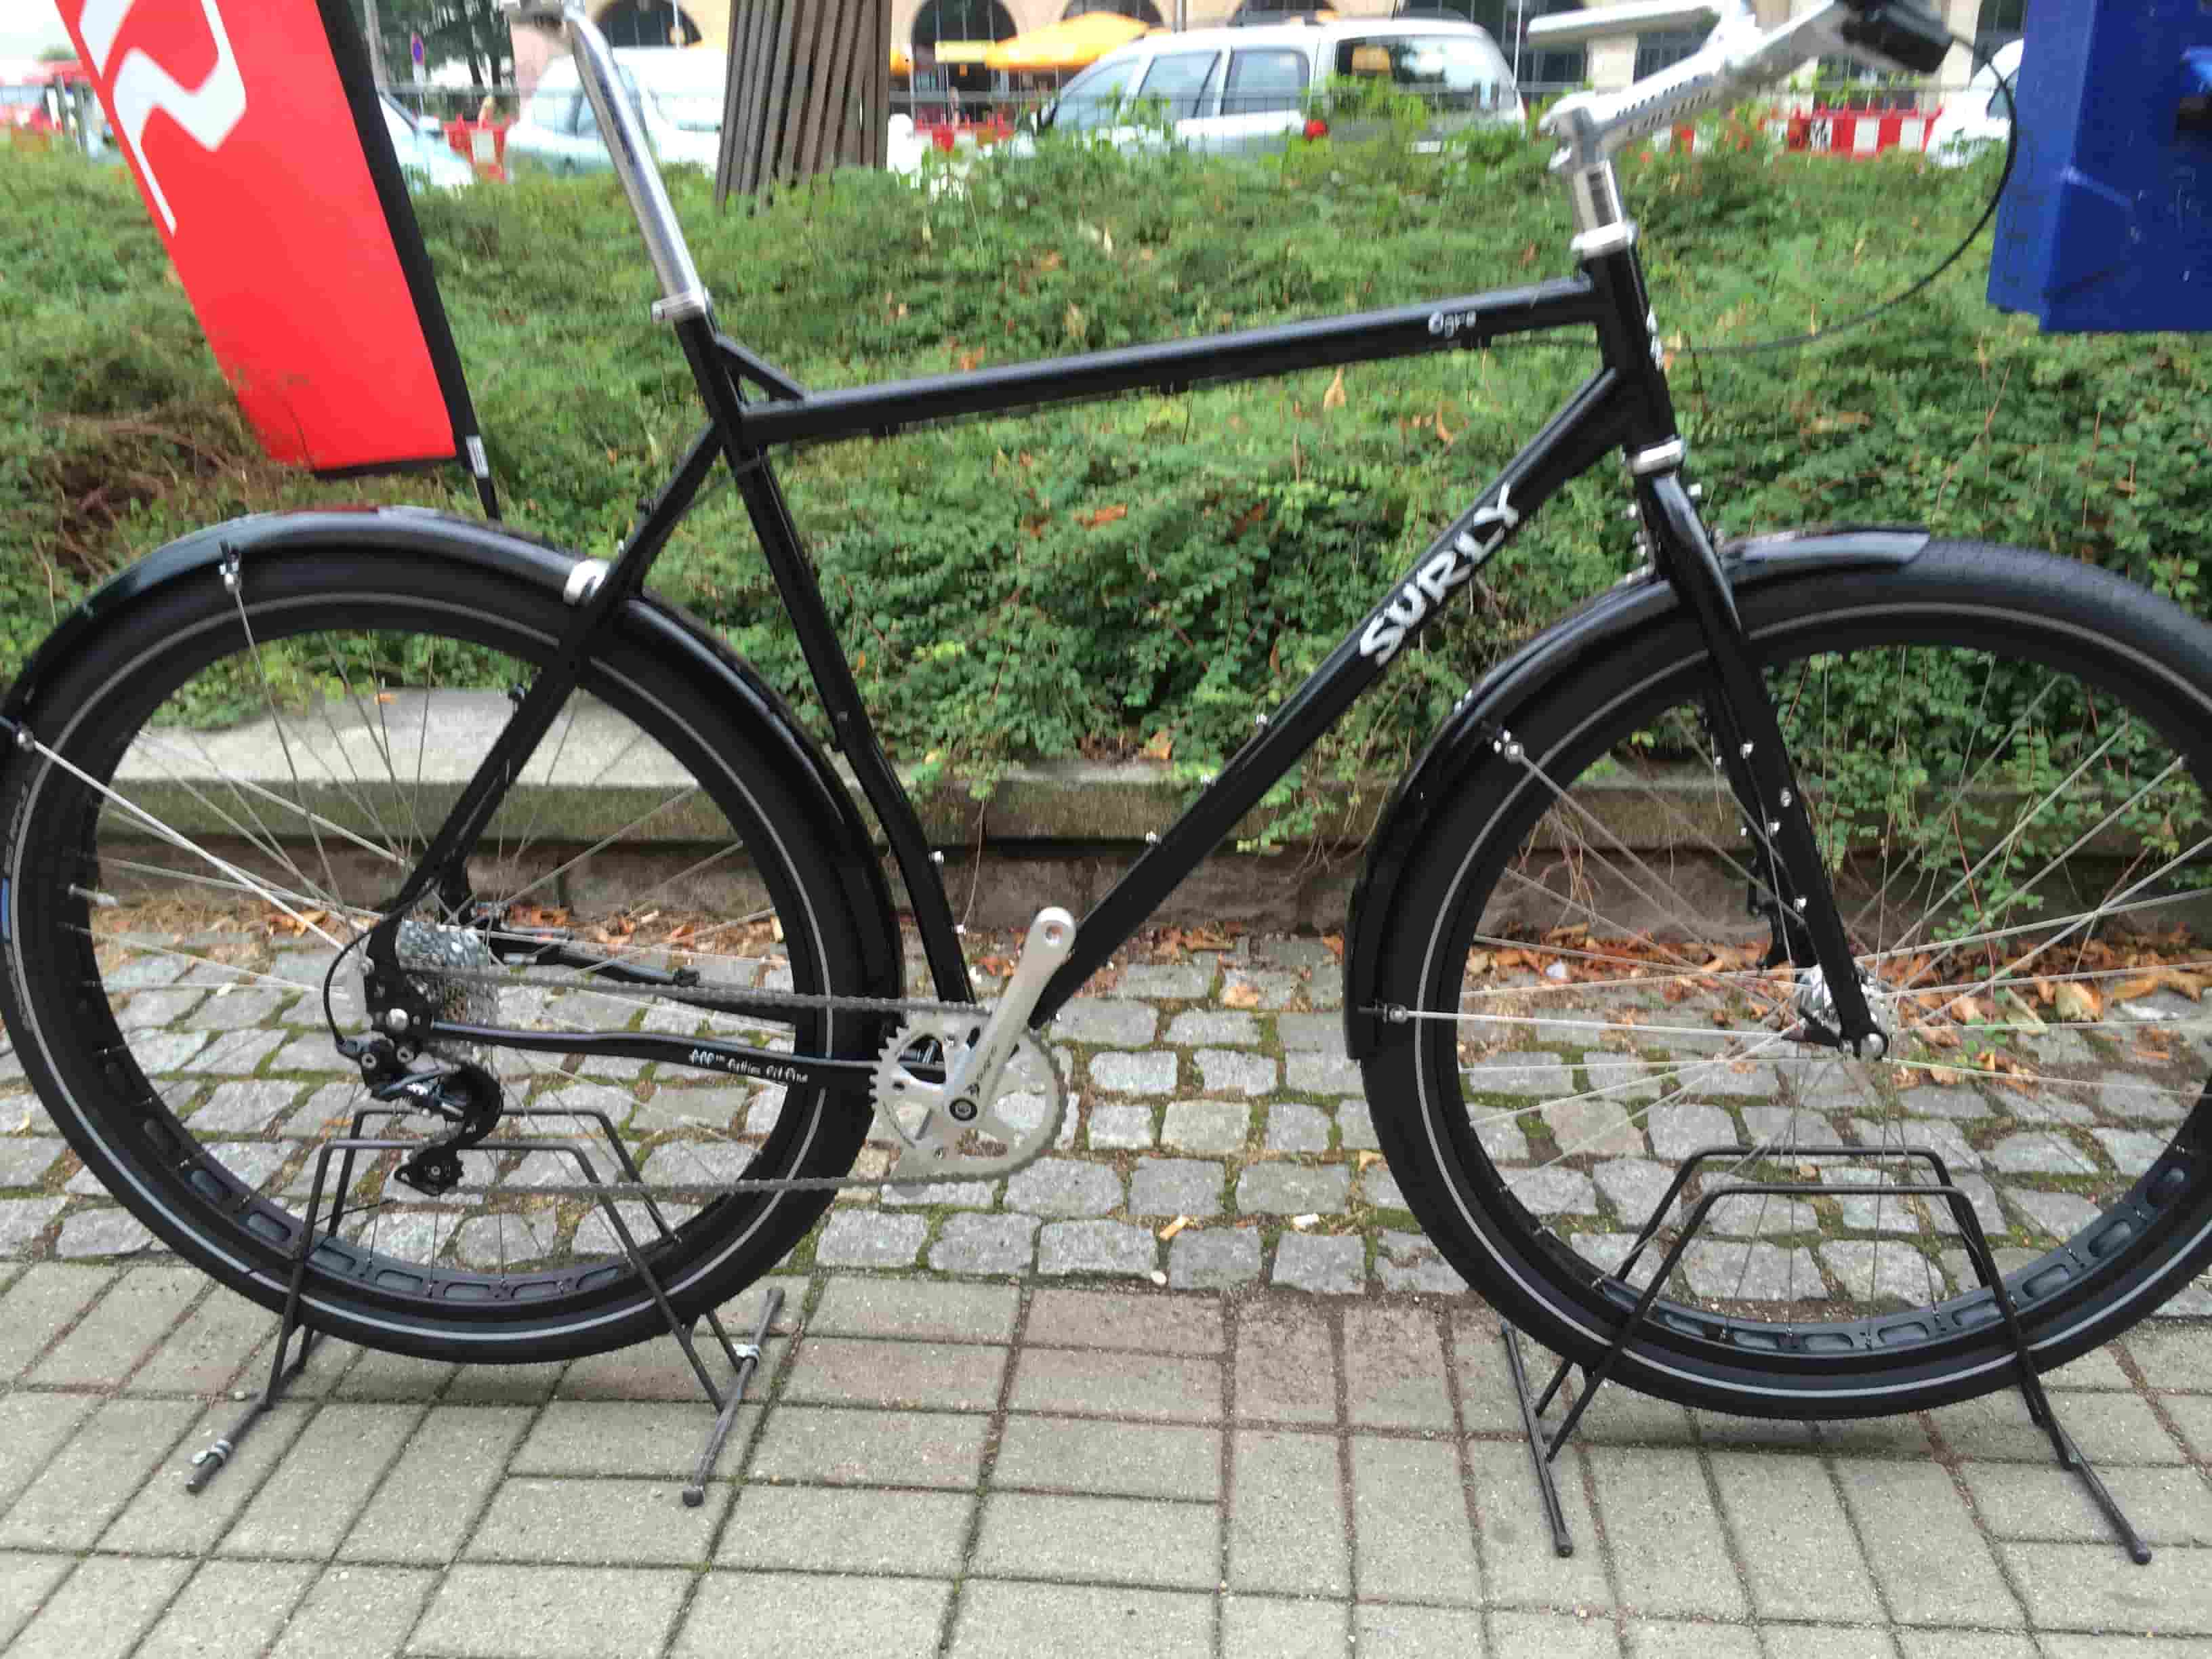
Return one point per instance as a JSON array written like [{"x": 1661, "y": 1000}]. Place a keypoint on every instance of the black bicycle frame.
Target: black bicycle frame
[{"x": 1625, "y": 405}]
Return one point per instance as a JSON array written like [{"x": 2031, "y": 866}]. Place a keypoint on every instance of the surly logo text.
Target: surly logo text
[
  {"x": 140, "y": 85},
  {"x": 768, "y": 1069},
  {"x": 1448, "y": 567},
  {"x": 1446, "y": 324}
]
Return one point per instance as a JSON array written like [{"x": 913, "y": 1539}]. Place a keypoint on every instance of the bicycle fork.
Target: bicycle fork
[{"x": 1747, "y": 735}]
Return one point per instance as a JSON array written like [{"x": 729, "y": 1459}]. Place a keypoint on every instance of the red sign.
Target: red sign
[{"x": 243, "y": 136}]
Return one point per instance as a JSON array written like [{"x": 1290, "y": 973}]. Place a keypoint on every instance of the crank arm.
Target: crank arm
[
  {"x": 973, "y": 1074},
  {"x": 706, "y": 1053}
]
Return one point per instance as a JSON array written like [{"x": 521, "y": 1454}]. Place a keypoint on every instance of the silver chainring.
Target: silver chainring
[{"x": 975, "y": 1136}]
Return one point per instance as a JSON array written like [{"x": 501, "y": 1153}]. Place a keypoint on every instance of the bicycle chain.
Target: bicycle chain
[{"x": 808, "y": 1000}]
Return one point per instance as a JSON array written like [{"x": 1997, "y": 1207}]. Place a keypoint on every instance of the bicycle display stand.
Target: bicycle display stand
[
  {"x": 745, "y": 1357},
  {"x": 1544, "y": 1449}
]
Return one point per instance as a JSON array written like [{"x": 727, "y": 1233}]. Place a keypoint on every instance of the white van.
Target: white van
[
  {"x": 678, "y": 92},
  {"x": 1245, "y": 90}
]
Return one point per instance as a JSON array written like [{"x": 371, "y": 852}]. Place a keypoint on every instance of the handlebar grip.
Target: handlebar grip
[{"x": 1898, "y": 31}]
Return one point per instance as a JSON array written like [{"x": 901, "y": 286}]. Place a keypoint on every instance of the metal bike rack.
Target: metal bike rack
[
  {"x": 1544, "y": 1449},
  {"x": 744, "y": 1358}
]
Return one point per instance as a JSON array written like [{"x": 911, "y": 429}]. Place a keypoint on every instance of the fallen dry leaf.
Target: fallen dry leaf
[
  {"x": 1174, "y": 1227},
  {"x": 1161, "y": 746},
  {"x": 1333, "y": 398},
  {"x": 1102, "y": 515},
  {"x": 1241, "y": 994},
  {"x": 2077, "y": 1001}
]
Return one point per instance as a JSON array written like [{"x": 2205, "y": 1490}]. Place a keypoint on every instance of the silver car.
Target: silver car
[
  {"x": 678, "y": 93},
  {"x": 1247, "y": 90}
]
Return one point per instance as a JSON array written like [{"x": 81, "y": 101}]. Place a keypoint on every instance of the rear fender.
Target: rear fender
[
  {"x": 733, "y": 687},
  {"x": 1550, "y": 661}
]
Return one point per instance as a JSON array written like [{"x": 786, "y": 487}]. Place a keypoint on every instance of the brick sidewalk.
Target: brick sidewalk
[{"x": 972, "y": 1439}]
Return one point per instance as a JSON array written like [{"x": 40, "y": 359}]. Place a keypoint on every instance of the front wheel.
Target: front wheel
[
  {"x": 2006, "y": 758},
  {"x": 244, "y": 777}
]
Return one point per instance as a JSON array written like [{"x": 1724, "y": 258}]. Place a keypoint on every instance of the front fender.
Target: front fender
[
  {"x": 735, "y": 688},
  {"x": 1547, "y": 663}
]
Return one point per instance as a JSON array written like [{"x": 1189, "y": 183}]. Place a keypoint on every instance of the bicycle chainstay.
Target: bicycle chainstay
[{"x": 902, "y": 1007}]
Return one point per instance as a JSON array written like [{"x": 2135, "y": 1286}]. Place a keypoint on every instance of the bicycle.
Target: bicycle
[{"x": 2060, "y": 799}]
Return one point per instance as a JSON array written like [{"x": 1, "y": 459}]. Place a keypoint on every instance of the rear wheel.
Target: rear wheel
[
  {"x": 245, "y": 778},
  {"x": 2006, "y": 759}
]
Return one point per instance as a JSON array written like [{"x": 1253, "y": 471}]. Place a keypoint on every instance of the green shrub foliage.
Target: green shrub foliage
[{"x": 1087, "y": 580}]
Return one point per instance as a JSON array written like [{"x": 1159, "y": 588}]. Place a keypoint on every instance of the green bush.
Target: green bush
[{"x": 1079, "y": 582}]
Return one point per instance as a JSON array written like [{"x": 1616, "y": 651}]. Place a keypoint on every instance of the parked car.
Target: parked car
[
  {"x": 1253, "y": 89},
  {"x": 424, "y": 156},
  {"x": 678, "y": 93},
  {"x": 1978, "y": 116}
]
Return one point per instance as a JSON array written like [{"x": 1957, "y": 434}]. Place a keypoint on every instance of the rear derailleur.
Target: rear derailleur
[{"x": 462, "y": 1093}]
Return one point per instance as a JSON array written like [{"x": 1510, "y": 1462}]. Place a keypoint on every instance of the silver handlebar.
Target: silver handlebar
[{"x": 682, "y": 293}]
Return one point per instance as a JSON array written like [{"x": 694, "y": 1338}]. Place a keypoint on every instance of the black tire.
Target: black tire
[
  {"x": 2072, "y": 695},
  {"x": 343, "y": 648}
]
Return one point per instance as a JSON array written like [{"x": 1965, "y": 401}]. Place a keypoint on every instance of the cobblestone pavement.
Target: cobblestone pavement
[{"x": 1014, "y": 1418}]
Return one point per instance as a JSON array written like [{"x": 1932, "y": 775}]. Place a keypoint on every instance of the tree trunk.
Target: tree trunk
[{"x": 808, "y": 91}]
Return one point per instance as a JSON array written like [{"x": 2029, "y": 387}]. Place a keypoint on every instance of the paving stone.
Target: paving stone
[
  {"x": 1633, "y": 1187},
  {"x": 1879, "y": 1212},
  {"x": 43, "y": 1299},
  {"x": 868, "y": 1447},
  {"x": 1410, "y": 1262},
  {"x": 1552, "y": 1635},
  {"x": 2039, "y": 1153},
  {"x": 128, "y": 1322},
  {"x": 2033, "y": 1503},
  {"x": 1796, "y": 1541},
  {"x": 485, "y": 1611},
  {"x": 2111, "y": 1428},
  {"x": 870, "y": 1238},
  {"x": 362, "y": 1611},
  {"x": 1535, "y": 1072},
  {"x": 1593, "y": 1128},
  {"x": 1214, "y": 1026},
  {"x": 2132, "y": 1151},
  {"x": 2124, "y": 1096},
  {"x": 1227, "y": 1072},
  {"x": 1095, "y": 1246},
  {"x": 95, "y": 1474},
  {"x": 1175, "y": 981},
  {"x": 1930, "y": 1559},
  {"x": 1293, "y": 1189},
  {"x": 1115, "y": 1023},
  {"x": 311, "y": 1500},
  {"x": 2083, "y": 1587},
  {"x": 1976, "y": 1645},
  {"x": 610, "y": 1437},
  {"x": 1287, "y": 1516},
  {"x": 844, "y": 1371},
  {"x": 1149, "y": 1073},
  {"x": 1944, "y": 1140},
  {"x": 1714, "y": 1077},
  {"x": 1153, "y": 1388},
  {"x": 1355, "y": 1128},
  {"x": 1632, "y": 1081},
  {"x": 1410, "y": 1525},
  {"x": 1520, "y": 1568},
  {"x": 2060, "y": 1215},
  {"x": 1666, "y": 1539},
  {"x": 1286, "y": 1364},
  {"x": 874, "y": 1533},
  {"x": 1394, "y": 1370},
  {"x": 1753, "y": 1271},
  {"x": 1322, "y": 1073},
  {"x": 1324, "y": 1263},
  {"x": 1380, "y": 1189},
  {"x": 1953, "y": 1101},
  {"x": 32, "y": 1427},
  {"x": 1175, "y": 1186},
  {"x": 1220, "y": 1259},
  {"x": 985, "y": 1244},
  {"x": 596, "y": 1522},
  {"x": 1116, "y": 1539},
  {"x": 1113, "y": 1319},
  {"x": 1278, "y": 1627},
  {"x": 1982, "y": 1195},
  {"x": 101, "y": 1610},
  {"x": 1295, "y": 1129},
  {"x": 103, "y": 1233},
  {"x": 24, "y": 1161},
  {"x": 1416, "y": 1632},
  {"x": 1500, "y": 1135},
  {"x": 1127, "y": 1460},
  {"x": 1118, "y": 1128},
  {"x": 1555, "y": 1191},
  {"x": 230, "y": 1053},
  {"x": 1065, "y": 1186},
  {"x": 23, "y": 1219},
  {"x": 505, "y": 1238},
  {"x": 1206, "y": 1126},
  {"x": 1677, "y": 1131},
  {"x": 228, "y": 1607},
  {"x": 1001, "y": 1620},
  {"x": 1321, "y": 1032},
  {"x": 1294, "y": 951}
]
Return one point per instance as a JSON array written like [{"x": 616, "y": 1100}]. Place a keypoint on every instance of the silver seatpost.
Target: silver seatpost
[{"x": 682, "y": 293}]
